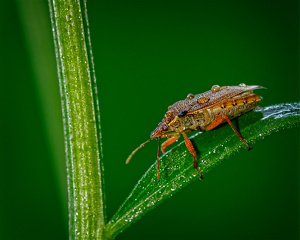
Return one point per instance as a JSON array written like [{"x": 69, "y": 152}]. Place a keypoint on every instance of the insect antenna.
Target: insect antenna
[{"x": 142, "y": 145}]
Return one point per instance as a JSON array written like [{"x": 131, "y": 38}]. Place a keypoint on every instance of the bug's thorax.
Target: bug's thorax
[{"x": 198, "y": 111}]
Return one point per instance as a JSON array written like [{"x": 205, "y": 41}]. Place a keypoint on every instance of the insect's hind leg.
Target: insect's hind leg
[
  {"x": 219, "y": 120},
  {"x": 190, "y": 147},
  {"x": 168, "y": 142}
]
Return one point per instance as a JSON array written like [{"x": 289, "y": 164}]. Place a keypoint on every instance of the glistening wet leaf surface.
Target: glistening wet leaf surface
[{"x": 212, "y": 147}]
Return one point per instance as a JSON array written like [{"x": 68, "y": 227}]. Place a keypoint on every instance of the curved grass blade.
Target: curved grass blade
[{"x": 212, "y": 148}]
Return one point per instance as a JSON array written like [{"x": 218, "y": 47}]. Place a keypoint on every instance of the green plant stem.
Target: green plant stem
[{"x": 81, "y": 119}]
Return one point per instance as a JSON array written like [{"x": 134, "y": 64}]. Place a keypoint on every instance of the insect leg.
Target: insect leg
[
  {"x": 168, "y": 142},
  {"x": 219, "y": 120},
  {"x": 190, "y": 147},
  {"x": 158, "y": 179}
]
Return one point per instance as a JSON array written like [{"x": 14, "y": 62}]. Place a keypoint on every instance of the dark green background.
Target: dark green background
[{"x": 149, "y": 54}]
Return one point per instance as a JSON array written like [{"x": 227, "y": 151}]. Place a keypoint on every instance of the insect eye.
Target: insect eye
[
  {"x": 215, "y": 88},
  {"x": 190, "y": 96},
  {"x": 182, "y": 113},
  {"x": 242, "y": 85},
  {"x": 164, "y": 127}
]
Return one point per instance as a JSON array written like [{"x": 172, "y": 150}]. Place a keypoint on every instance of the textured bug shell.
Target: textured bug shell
[{"x": 195, "y": 112}]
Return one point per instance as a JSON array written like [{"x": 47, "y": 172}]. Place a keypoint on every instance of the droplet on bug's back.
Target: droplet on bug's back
[
  {"x": 203, "y": 100},
  {"x": 193, "y": 101},
  {"x": 190, "y": 96},
  {"x": 215, "y": 88}
]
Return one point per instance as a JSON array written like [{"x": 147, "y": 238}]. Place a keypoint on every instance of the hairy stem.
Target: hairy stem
[{"x": 81, "y": 118}]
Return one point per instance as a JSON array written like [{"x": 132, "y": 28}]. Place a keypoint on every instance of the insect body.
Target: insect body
[{"x": 201, "y": 112}]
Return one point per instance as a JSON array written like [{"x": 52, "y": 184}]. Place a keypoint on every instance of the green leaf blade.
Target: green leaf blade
[{"x": 212, "y": 147}]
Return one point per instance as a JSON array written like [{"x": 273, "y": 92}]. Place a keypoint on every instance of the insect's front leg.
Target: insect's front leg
[
  {"x": 190, "y": 147},
  {"x": 219, "y": 120},
  {"x": 168, "y": 142}
]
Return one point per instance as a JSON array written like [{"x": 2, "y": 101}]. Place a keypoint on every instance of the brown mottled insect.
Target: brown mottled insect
[{"x": 203, "y": 111}]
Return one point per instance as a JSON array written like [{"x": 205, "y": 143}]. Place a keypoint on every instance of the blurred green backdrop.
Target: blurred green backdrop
[{"x": 149, "y": 54}]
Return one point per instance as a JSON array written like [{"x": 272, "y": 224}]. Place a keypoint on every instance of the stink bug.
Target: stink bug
[{"x": 201, "y": 112}]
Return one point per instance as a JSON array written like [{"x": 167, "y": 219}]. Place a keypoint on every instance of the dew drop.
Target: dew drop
[
  {"x": 203, "y": 100},
  {"x": 215, "y": 88},
  {"x": 193, "y": 102},
  {"x": 190, "y": 96}
]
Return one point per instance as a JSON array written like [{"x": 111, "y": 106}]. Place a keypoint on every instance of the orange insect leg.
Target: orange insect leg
[
  {"x": 219, "y": 120},
  {"x": 158, "y": 178},
  {"x": 190, "y": 147},
  {"x": 168, "y": 142}
]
